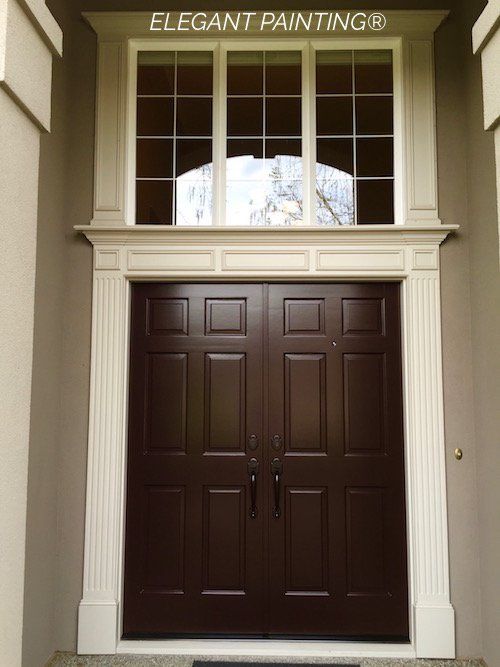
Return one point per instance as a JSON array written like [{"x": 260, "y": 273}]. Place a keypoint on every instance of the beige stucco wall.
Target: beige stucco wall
[
  {"x": 485, "y": 300},
  {"x": 62, "y": 321},
  {"x": 19, "y": 140},
  {"x": 28, "y": 39}
]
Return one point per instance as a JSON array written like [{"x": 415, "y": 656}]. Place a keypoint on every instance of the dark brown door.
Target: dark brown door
[
  {"x": 337, "y": 553},
  {"x": 193, "y": 557},
  {"x": 282, "y": 397}
]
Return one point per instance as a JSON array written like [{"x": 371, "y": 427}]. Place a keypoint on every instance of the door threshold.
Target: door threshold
[{"x": 266, "y": 648}]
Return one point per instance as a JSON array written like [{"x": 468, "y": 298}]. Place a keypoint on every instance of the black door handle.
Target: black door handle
[
  {"x": 253, "y": 469},
  {"x": 276, "y": 471}
]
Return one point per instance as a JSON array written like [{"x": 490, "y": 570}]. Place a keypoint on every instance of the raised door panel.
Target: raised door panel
[
  {"x": 365, "y": 403},
  {"x": 164, "y": 539},
  {"x": 225, "y": 403},
  {"x": 306, "y": 541},
  {"x": 166, "y": 403},
  {"x": 366, "y": 548},
  {"x": 305, "y": 403},
  {"x": 167, "y": 317},
  {"x": 224, "y": 519}
]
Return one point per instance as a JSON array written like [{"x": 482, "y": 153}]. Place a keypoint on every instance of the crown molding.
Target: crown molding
[{"x": 167, "y": 235}]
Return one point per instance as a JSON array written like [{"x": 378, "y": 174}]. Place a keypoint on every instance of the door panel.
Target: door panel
[
  {"x": 306, "y": 380},
  {"x": 195, "y": 398},
  {"x": 337, "y": 554}
]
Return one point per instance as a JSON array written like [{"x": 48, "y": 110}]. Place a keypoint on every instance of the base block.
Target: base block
[
  {"x": 434, "y": 631},
  {"x": 97, "y": 628}
]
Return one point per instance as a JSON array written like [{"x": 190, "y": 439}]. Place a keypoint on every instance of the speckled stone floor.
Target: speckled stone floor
[{"x": 71, "y": 660}]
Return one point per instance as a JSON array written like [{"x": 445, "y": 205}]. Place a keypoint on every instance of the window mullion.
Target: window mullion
[
  {"x": 219, "y": 135},
  {"x": 308, "y": 134}
]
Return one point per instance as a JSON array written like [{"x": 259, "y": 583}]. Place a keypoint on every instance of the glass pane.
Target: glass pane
[
  {"x": 283, "y": 116},
  {"x": 244, "y": 117},
  {"x": 245, "y": 203},
  {"x": 375, "y": 202},
  {"x": 264, "y": 203},
  {"x": 194, "y": 73},
  {"x": 284, "y": 159},
  {"x": 335, "y": 202},
  {"x": 334, "y": 115},
  {"x": 283, "y": 72},
  {"x": 193, "y": 202},
  {"x": 155, "y": 116},
  {"x": 284, "y": 203},
  {"x": 155, "y": 73},
  {"x": 155, "y": 158},
  {"x": 244, "y": 159},
  {"x": 194, "y": 117},
  {"x": 245, "y": 73},
  {"x": 334, "y": 159},
  {"x": 334, "y": 72},
  {"x": 154, "y": 202},
  {"x": 194, "y": 157},
  {"x": 373, "y": 71},
  {"x": 374, "y": 115},
  {"x": 374, "y": 157}
]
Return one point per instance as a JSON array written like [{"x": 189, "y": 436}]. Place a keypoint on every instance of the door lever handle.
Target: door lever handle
[
  {"x": 253, "y": 469},
  {"x": 276, "y": 471}
]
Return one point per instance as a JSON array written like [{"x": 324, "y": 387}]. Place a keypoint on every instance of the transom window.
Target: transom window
[{"x": 265, "y": 137}]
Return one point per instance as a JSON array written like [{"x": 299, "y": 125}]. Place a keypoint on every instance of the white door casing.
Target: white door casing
[
  {"x": 403, "y": 253},
  {"x": 407, "y": 252}
]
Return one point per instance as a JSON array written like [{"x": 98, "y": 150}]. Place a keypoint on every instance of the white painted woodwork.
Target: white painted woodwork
[
  {"x": 407, "y": 254},
  {"x": 421, "y": 156},
  {"x": 109, "y": 195},
  {"x": 408, "y": 34}
]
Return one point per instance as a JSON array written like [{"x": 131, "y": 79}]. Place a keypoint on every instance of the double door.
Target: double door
[{"x": 265, "y": 490}]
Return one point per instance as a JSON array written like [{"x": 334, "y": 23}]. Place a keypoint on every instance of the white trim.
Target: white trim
[
  {"x": 415, "y": 152},
  {"x": 267, "y": 648},
  {"x": 308, "y": 49},
  {"x": 401, "y": 253}
]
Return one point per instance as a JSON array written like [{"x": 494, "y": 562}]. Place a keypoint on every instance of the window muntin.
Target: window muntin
[
  {"x": 264, "y": 173},
  {"x": 174, "y": 164},
  {"x": 336, "y": 170},
  {"x": 354, "y": 137}
]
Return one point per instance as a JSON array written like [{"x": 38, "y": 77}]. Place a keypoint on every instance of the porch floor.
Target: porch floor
[{"x": 72, "y": 660}]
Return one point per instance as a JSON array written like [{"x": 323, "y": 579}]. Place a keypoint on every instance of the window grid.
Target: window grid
[
  {"x": 264, "y": 138},
  {"x": 219, "y": 202}
]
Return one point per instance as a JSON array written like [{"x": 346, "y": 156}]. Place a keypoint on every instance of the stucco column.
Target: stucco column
[
  {"x": 486, "y": 41},
  {"x": 29, "y": 37}
]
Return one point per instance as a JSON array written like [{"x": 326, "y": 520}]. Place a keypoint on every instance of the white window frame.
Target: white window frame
[{"x": 308, "y": 49}]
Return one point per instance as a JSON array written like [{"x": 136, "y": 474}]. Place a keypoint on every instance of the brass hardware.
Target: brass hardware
[{"x": 458, "y": 454}]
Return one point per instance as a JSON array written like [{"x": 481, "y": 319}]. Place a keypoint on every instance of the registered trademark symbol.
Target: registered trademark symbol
[{"x": 377, "y": 21}]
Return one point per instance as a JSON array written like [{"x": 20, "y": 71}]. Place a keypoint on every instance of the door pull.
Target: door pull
[
  {"x": 276, "y": 470},
  {"x": 253, "y": 469}
]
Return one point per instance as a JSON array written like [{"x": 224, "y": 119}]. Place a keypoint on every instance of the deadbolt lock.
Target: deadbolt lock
[
  {"x": 276, "y": 442},
  {"x": 253, "y": 442}
]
